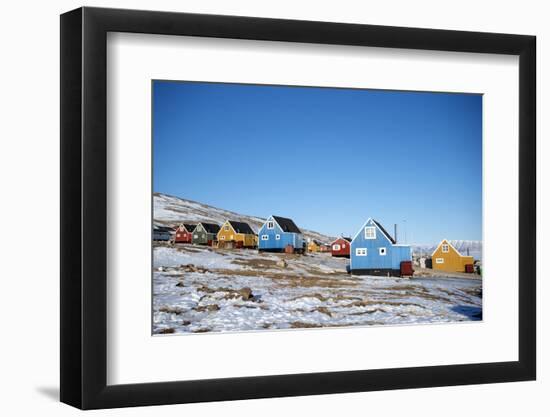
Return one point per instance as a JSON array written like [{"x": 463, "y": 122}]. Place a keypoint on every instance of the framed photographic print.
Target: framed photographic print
[{"x": 257, "y": 207}]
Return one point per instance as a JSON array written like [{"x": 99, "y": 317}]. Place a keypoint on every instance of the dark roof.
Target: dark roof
[
  {"x": 241, "y": 227},
  {"x": 163, "y": 229},
  {"x": 189, "y": 227},
  {"x": 392, "y": 240},
  {"x": 287, "y": 224},
  {"x": 211, "y": 227}
]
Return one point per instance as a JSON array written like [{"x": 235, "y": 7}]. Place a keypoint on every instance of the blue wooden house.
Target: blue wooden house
[
  {"x": 279, "y": 232},
  {"x": 375, "y": 252}
]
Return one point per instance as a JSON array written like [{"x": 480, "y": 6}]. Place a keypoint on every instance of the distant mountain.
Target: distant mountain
[
  {"x": 465, "y": 247},
  {"x": 171, "y": 211}
]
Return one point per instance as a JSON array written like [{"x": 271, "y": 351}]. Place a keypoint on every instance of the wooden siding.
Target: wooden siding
[
  {"x": 202, "y": 237},
  {"x": 313, "y": 247},
  {"x": 228, "y": 234},
  {"x": 342, "y": 249},
  {"x": 453, "y": 261},
  {"x": 270, "y": 242},
  {"x": 374, "y": 259},
  {"x": 183, "y": 236}
]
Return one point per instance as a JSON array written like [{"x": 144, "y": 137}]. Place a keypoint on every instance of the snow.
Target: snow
[
  {"x": 170, "y": 210},
  {"x": 310, "y": 291}
]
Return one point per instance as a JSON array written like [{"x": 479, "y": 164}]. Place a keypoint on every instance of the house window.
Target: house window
[
  {"x": 222, "y": 237},
  {"x": 439, "y": 260},
  {"x": 382, "y": 251},
  {"x": 178, "y": 235},
  {"x": 231, "y": 237},
  {"x": 361, "y": 252},
  {"x": 265, "y": 237},
  {"x": 370, "y": 232},
  {"x": 336, "y": 247},
  {"x": 277, "y": 237},
  {"x": 270, "y": 225},
  {"x": 445, "y": 248},
  {"x": 344, "y": 246},
  {"x": 226, "y": 228}
]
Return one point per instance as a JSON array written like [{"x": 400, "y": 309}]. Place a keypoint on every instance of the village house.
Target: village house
[
  {"x": 313, "y": 246},
  {"x": 162, "y": 233},
  {"x": 446, "y": 258},
  {"x": 184, "y": 233},
  {"x": 341, "y": 247},
  {"x": 205, "y": 234},
  {"x": 238, "y": 232},
  {"x": 279, "y": 234},
  {"x": 374, "y": 252}
]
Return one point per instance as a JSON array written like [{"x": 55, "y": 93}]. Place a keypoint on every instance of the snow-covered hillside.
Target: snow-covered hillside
[
  {"x": 171, "y": 211},
  {"x": 465, "y": 247}
]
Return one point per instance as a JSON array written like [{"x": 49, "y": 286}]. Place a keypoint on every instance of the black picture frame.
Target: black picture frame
[{"x": 84, "y": 207}]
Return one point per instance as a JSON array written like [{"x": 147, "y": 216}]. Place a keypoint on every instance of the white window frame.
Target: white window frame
[
  {"x": 336, "y": 247},
  {"x": 265, "y": 237},
  {"x": 277, "y": 237},
  {"x": 360, "y": 251},
  {"x": 439, "y": 260},
  {"x": 271, "y": 224},
  {"x": 445, "y": 248},
  {"x": 382, "y": 251},
  {"x": 231, "y": 237},
  {"x": 369, "y": 229},
  {"x": 343, "y": 246},
  {"x": 226, "y": 228}
]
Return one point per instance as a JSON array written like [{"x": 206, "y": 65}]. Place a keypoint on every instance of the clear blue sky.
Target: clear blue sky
[{"x": 328, "y": 158}]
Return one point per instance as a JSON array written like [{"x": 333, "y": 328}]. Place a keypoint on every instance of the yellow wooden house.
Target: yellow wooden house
[
  {"x": 313, "y": 246},
  {"x": 238, "y": 232},
  {"x": 446, "y": 258}
]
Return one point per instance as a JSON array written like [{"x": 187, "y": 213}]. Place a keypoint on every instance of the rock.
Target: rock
[
  {"x": 179, "y": 284},
  {"x": 245, "y": 293},
  {"x": 167, "y": 330},
  {"x": 210, "y": 307},
  {"x": 282, "y": 263},
  {"x": 170, "y": 310},
  {"x": 185, "y": 323}
]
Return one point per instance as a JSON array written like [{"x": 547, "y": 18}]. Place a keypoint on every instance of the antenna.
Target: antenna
[{"x": 395, "y": 232}]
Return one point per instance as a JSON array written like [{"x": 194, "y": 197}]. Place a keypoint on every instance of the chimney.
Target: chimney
[{"x": 395, "y": 232}]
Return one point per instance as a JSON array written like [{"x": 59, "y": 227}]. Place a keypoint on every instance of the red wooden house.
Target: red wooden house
[
  {"x": 184, "y": 233},
  {"x": 340, "y": 247}
]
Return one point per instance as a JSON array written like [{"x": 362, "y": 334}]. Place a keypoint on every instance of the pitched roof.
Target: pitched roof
[
  {"x": 189, "y": 227},
  {"x": 241, "y": 227},
  {"x": 286, "y": 224},
  {"x": 391, "y": 239},
  {"x": 211, "y": 227}
]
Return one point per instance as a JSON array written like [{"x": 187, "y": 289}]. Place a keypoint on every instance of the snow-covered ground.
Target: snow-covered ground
[{"x": 198, "y": 289}]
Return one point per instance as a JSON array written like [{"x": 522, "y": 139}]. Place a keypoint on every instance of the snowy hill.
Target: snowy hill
[
  {"x": 171, "y": 211},
  {"x": 465, "y": 247}
]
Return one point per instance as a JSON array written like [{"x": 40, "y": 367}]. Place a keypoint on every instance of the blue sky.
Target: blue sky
[{"x": 328, "y": 158}]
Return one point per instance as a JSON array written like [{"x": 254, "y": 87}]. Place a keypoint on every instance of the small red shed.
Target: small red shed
[
  {"x": 184, "y": 233},
  {"x": 340, "y": 247}
]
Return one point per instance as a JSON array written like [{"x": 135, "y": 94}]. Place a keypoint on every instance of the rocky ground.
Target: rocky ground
[{"x": 197, "y": 289}]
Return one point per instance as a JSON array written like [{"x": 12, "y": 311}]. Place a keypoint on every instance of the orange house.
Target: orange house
[
  {"x": 446, "y": 258},
  {"x": 239, "y": 232}
]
